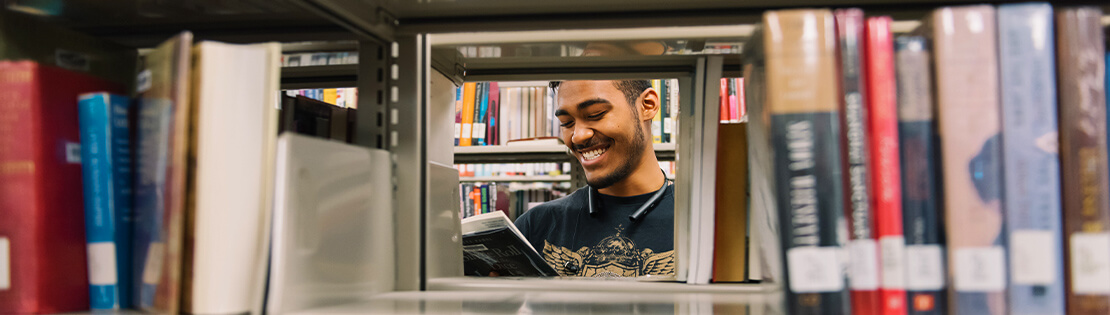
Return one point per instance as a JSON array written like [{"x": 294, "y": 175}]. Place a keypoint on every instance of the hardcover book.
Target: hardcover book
[
  {"x": 42, "y": 233},
  {"x": 730, "y": 239},
  {"x": 922, "y": 217},
  {"x": 1079, "y": 53},
  {"x": 802, "y": 100},
  {"x": 886, "y": 194},
  {"x": 106, "y": 176},
  {"x": 231, "y": 187},
  {"x": 862, "y": 248},
  {"x": 162, "y": 144},
  {"x": 1032, "y": 166},
  {"x": 968, "y": 109}
]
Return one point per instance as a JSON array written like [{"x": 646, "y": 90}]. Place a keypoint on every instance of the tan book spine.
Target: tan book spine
[{"x": 969, "y": 125}]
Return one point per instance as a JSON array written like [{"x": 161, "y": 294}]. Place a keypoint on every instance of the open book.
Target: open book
[{"x": 491, "y": 243}]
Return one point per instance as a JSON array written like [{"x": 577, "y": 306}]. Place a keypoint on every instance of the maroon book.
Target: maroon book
[{"x": 42, "y": 233}]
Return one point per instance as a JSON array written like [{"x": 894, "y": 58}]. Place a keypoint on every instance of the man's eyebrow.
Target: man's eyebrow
[{"x": 582, "y": 105}]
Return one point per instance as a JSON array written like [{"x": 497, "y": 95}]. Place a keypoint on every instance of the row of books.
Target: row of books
[
  {"x": 315, "y": 118},
  {"x": 164, "y": 201},
  {"x": 519, "y": 50},
  {"x": 342, "y": 97},
  {"x": 512, "y": 199},
  {"x": 675, "y": 47},
  {"x": 514, "y": 169},
  {"x": 486, "y": 114},
  {"x": 732, "y": 100},
  {"x": 967, "y": 161},
  {"x": 319, "y": 59}
]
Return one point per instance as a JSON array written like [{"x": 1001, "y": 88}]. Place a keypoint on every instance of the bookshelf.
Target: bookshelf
[
  {"x": 534, "y": 153},
  {"x": 396, "y": 74}
]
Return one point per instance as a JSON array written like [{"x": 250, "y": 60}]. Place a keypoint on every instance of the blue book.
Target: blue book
[
  {"x": 1031, "y": 163},
  {"x": 480, "y": 120},
  {"x": 106, "y": 177}
]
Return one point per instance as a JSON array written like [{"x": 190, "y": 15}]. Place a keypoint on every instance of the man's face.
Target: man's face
[{"x": 601, "y": 129}]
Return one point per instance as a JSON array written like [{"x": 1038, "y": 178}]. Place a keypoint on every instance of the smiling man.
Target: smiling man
[{"x": 622, "y": 224}]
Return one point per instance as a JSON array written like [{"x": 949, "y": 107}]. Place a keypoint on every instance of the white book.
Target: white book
[
  {"x": 333, "y": 224},
  {"x": 235, "y": 128}
]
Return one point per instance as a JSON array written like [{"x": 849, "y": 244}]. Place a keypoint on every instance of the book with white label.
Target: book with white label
[
  {"x": 492, "y": 245},
  {"x": 921, "y": 211},
  {"x": 802, "y": 103},
  {"x": 106, "y": 178},
  {"x": 1083, "y": 158},
  {"x": 1032, "y": 166},
  {"x": 968, "y": 124},
  {"x": 235, "y": 138}
]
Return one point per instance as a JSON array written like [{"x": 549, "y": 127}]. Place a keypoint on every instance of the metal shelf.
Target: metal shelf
[
  {"x": 517, "y": 178},
  {"x": 595, "y": 285},
  {"x": 534, "y": 153},
  {"x": 316, "y": 77}
]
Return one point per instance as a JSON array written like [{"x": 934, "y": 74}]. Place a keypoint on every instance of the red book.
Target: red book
[
  {"x": 886, "y": 179},
  {"x": 740, "y": 97},
  {"x": 862, "y": 246},
  {"x": 41, "y": 205},
  {"x": 733, "y": 103},
  {"x": 724, "y": 100}
]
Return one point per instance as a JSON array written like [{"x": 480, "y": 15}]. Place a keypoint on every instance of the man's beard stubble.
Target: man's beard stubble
[{"x": 624, "y": 170}]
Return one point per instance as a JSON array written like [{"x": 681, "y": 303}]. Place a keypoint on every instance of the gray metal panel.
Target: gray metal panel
[
  {"x": 373, "y": 62},
  {"x": 407, "y": 140},
  {"x": 443, "y": 254}
]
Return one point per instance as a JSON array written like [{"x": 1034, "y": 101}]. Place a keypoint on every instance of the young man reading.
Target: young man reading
[{"x": 607, "y": 127}]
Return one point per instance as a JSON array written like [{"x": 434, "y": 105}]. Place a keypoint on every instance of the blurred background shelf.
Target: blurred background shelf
[
  {"x": 537, "y": 178},
  {"x": 534, "y": 153}
]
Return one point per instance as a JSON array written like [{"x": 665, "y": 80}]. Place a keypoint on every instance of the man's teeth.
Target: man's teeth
[{"x": 590, "y": 155}]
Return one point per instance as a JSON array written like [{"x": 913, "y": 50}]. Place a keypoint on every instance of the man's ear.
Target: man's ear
[{"x": 649, "y": 104}]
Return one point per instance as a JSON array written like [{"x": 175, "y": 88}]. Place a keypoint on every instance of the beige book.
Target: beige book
[{"x": 235, "y": 131}]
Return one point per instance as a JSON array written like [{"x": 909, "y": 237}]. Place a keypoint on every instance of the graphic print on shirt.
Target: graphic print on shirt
[{"x": 613, "y": 256}]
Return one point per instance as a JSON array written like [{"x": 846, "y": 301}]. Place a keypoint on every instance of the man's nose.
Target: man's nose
[{"x": 582, "y": 134}]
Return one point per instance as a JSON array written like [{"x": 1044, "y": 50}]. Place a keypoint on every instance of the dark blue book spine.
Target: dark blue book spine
[
  {"x": 1031, "y": 163},
  {"x": 921, "y": 194},
  {"x": 106, "y": 177},
  {"x": 151, "y": 162}
]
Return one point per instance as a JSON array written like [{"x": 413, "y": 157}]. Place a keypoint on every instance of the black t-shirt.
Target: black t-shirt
[{"x": 607, "y": 244}]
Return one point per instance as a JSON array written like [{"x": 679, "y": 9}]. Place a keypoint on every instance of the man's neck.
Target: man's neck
[{"x": 644, "y": 179}]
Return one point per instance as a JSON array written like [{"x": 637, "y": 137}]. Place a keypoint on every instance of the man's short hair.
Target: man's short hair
[{"x": 630, "y": 88}]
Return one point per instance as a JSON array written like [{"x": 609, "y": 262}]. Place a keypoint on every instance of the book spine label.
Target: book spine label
[
  {"x": 106, "y": 162},
  {"x": 18, "y": 177},
  {"x": 921, "y": 217},
  {"x": 863, "y": 249},
  {"x": 886, "y": 197},
  {"x": 969, "y": 126},
  {"x": 1082, "y": 97},
  {"x": 1033, "y": 205}
]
